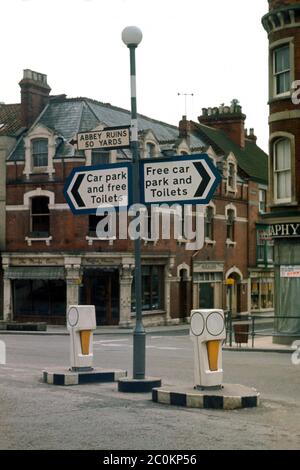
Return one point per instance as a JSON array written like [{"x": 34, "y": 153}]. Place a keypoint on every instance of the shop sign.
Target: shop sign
[
  {"x": 289, "y": 271},
  {"x": 289, "y": 230}
]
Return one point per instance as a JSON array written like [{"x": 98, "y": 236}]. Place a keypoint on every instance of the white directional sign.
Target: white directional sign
[
  {"x": 181, "y": 179},
  {"x": 88, "y": 188},
  {"x": 108, "y": 138}
]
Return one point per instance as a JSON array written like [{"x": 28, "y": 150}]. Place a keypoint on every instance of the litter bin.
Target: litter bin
[{"x": 241, "y": 333}]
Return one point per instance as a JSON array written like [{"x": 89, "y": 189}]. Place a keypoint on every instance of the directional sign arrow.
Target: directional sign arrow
[
  {"x": 90, "y": 187},
  {"x": 73, "y": 142},
  {"x": 188, "y": 179},
  {"x": 206, "y": 177}
]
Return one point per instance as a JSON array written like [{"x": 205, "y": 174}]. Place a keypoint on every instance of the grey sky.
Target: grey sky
[{"x": 217, "y": 50}]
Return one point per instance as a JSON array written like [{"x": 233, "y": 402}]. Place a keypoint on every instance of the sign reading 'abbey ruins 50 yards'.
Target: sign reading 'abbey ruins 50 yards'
[{"x": 109, "y": 138}]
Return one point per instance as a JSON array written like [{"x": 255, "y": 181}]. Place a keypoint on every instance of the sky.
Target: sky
[{"x": 216, "y": 50}]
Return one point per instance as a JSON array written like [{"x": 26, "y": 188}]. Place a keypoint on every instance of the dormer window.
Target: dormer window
[
  {"x": 100, "y": 157},
  {"x": 231, "y": 174},
  {"x": 39, "y": 153},
  {"x": 150, "y": 150}
]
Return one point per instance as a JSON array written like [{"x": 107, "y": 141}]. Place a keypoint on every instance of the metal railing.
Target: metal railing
[{"x": 253, "y": 331}]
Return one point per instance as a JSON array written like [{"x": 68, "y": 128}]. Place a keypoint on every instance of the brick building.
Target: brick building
[
  {"x": 53, "y": 258},
  {"x": 282, "y": 25}
]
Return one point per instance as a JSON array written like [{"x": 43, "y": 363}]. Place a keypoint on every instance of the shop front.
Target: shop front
[
  {"x": 207, "y": 285},
  {"x": 38, "y": 293}
]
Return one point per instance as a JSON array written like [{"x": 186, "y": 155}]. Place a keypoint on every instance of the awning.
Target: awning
[{"x": 35, "y": 272}]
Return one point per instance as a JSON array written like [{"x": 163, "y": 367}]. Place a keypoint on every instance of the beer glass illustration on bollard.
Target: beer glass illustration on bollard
[
  {"x": 207, "y": 332},
  {"x": 81, "y": 321}
]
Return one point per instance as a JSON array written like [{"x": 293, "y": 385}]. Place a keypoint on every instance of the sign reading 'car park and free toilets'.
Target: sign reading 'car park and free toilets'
[
  {"x": 188, "y": 179},
  {"x": 90, "y": 187}
]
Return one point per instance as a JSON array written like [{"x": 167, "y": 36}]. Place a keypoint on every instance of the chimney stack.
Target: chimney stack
[
  {"x": 34, "y": 96},
  {"x": 229, "y": 119}
]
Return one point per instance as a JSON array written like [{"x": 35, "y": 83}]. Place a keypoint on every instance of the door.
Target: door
[
  {"x": 206, "y": 295},
  {"x": 102, "y": 290}
]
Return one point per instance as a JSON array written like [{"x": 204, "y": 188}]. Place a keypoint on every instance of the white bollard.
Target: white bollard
[
  {"x": 81, "y": 321},
  {"x": 207, "y": 332}
]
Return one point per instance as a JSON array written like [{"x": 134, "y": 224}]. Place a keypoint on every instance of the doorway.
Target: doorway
[
  {"x": 101, "y": 288},
  {"x": 207, "y": 292}
]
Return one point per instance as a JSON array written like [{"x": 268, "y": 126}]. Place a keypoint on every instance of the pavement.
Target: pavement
[{"x": 261, "y": 343}]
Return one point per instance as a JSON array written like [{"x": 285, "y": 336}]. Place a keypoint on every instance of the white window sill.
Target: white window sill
[
  {"x": 210, "y": 242},
  {"x": 230, "y": 243},
  {"x": 150, "y": 240},
  {"x": 91, "y": 240},
  {"x": 29, "y": 240},
  {"x": 182, "y": 241}
]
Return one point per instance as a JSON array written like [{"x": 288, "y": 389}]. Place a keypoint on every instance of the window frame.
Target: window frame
[
  {"x": 34, "y": 141},
  {"x": 37, "y": 233},
  {"x": 275, "y": 74},
  {"x": 276, "y": 172},
  {"x": 230, "y": 222}
]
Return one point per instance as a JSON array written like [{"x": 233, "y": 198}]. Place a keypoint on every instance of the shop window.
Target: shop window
[
  {"x": 152, "y": 288},
  {"x": 230, "y": 225},
  {"x": 39, "y": 298},
  {"x": 262, "y": 294},
  {"x": 282, "y": 170},
  {"x": 39, "y": 153},
  {"x": 282, "y": 70},
  {"x": 209, "y": 217},
  {"x": 100, "y": 157},
  {"x": 40, "y": 216}
]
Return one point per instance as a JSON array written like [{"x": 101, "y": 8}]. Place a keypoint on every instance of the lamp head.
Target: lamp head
[{"x": 132, "y": 36}]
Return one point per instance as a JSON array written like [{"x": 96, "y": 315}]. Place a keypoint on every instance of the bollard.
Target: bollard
[
  {"x": 207, "y": 333},
  {"x": 81, "y": 321}
]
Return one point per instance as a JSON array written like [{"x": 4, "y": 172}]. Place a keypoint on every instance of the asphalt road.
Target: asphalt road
[{"x": 34, "y": 415}]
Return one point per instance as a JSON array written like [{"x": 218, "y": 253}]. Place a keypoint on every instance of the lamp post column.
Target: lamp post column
[
  {"x": 132, "y": 36},
  {"x": 139, "y": 335}
]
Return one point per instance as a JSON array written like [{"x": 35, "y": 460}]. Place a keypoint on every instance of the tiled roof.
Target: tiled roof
[
  {"x": 71, "y": 115},
  {"x": 10, "y": 119},
  {"x": 252, "y": 160},
  {"x": 67, "y": 116}
]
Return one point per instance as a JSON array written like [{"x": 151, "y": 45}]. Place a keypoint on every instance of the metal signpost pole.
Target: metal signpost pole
[{"x": 132, "y": 36}]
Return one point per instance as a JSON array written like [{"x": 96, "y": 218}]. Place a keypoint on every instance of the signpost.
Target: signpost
[
  {"x": 188, "y": 179},
  {"x": 90, "y": 187},
  {"x": 109, "y": 138}
]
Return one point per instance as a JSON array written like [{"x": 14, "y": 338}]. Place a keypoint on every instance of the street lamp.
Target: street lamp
[{"x": 132, "y": 36}]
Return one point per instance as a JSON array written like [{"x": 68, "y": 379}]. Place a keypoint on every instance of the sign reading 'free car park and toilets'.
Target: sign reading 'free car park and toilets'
[{"x": 188, "y": 179}]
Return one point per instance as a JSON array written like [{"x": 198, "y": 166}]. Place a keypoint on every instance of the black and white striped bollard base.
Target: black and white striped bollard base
[
  {"x": 229, "y": 397},
  {"x": 130, "y": 385},
  {"x": 68, "y": 377}
]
